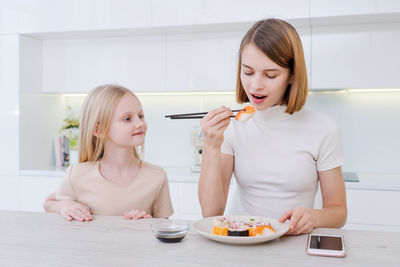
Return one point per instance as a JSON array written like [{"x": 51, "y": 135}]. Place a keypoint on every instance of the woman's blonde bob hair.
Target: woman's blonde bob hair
[
  {"x": 97, "y": 111},
  {"x": 280, "y": 42}
]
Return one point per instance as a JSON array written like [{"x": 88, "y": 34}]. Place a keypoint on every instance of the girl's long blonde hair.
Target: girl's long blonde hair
[
  {"x": 280, "y": 42},
  {"x": 97, "y": 110}
]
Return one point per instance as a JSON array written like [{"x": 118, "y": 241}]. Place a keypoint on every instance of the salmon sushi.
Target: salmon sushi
[{"x": 245, "y": 114}]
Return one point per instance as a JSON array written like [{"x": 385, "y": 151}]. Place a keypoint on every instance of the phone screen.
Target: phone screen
[{"x": 326, "y": 242}]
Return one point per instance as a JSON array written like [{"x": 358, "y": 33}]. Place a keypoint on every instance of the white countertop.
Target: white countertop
[
  {"x": 368, "y": 181},
  {"x": 177, "y": 174}
]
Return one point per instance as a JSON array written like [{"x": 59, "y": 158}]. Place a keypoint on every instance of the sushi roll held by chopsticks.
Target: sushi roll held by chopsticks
[
  {"x": 246, "y": 113},
  {"x": 242, "y": 115}
]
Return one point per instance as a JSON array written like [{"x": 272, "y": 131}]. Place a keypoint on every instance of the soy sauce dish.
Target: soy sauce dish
[{"x": 170, "y": 231}]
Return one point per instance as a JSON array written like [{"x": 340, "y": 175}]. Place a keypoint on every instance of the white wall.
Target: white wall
[
  {"x": 369, "y": 122},
  {"x": 370, "y": 125},
  {"x": 9, "y": 117}
]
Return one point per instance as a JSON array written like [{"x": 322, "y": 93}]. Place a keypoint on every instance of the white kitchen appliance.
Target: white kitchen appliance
[{"x": 197, "y": 142}]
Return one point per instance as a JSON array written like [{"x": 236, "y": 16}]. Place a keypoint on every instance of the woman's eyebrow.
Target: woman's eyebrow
[{"x": 247, "y": 66}]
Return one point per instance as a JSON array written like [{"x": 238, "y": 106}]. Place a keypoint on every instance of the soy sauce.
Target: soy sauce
[{"x": 174, "y": 239}]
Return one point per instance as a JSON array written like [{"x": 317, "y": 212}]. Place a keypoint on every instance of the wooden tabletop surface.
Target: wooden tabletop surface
[{"x": 43, "y": 239}]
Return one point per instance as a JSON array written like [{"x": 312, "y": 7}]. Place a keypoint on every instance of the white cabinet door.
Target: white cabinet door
[
  {"x": 79, "y": 65},
  {"x": 9, "y": 17},
  {"x": 373, "y": 208},
  {"x": 322, "y": 8},
  {"x": 182, "y": 12},
  {"x": 185, "y": 201},
  {"x": 189, "y": 203},
  {"x": 175, "y": 196},
  {"x": 60, "y": 16},
  {"x": 355, "y": 56},
  {"x": 202, "y": 62},
  {"x": 384, "y": 48},
  {"x": 387, "y": 6},
  {"x": 305, "y": 36},
  {"x": 9, "y": 192},
  {"x": 33, "y": 191}
]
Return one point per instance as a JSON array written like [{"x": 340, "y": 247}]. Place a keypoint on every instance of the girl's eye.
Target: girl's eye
[
  {"x": 127, "y": 119},
  {"x": 270, "y": 76},
  {"x": 141, "y": 116},
  {"x": 247, "y": 73}
]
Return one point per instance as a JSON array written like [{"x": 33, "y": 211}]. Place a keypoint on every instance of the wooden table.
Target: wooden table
[{"x": 43, "y": 239}]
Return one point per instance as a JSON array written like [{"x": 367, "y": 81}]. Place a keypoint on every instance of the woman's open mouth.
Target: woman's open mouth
[{"x": 258, "y": 99}]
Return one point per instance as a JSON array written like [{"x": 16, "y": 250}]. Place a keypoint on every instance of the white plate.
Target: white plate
[{"x": 205, "y": 228}]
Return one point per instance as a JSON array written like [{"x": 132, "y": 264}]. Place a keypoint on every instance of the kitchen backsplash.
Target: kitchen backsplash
[{"x": 370, "y": 124}]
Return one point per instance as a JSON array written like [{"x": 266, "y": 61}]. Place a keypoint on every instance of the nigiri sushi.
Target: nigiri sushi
[
  {"x": 220, "y": 226},
  {"x": 245, "y": 114},
  {"x": 253, "y": 226}
]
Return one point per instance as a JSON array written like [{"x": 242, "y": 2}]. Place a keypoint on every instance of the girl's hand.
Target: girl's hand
[
  {"x": 300, "y": 221},
  {"x": 136, "y": 214},
  {"x": 72, "y": 210},
  {"x": 214, "y": 125}
]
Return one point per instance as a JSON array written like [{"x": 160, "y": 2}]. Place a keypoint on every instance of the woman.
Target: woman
[{"x": 281, "y": 153}]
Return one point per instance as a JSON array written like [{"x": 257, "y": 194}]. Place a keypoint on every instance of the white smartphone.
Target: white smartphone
[{"x": 326, "y": 245}]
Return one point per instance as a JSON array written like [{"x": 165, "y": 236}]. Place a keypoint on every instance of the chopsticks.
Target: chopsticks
[{"x": 197, "y": 115}]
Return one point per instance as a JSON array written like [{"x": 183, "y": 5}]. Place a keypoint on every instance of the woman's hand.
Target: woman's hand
[
  {"x": 214, "y": 125},
  {"x": 136, "y": 214},
  {"x": 72, "y": 210},
  {"x": 300, "y": 221}
]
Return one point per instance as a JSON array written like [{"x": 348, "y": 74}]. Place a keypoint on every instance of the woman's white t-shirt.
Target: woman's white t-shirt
[{"x": 277, "y": 157}]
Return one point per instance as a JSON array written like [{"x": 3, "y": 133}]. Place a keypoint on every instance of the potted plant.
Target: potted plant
[{"x": 70, "y": 129}]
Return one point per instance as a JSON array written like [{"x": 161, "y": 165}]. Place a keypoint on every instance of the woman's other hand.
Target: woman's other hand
[
  {"x": 214, "y": 124},
  {"x": 136, "y": 214},
  {"x": 72, "y": 210},
  {"x": 300, "y": 221}
]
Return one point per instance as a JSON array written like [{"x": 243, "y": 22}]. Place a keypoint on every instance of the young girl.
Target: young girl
[
  {"x": 281, "y": 153},
  {"x": 110, "y": 178}
]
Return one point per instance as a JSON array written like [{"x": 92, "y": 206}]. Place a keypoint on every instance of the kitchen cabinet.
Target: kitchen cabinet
[
  {"x": 388, "y": 6},
  {"x": 373, "y": 209},
  {"x": 34, "y": 190},
  {"x": 154, "y": 63},
  {"x": 9, "y": 186},
  {"x": 188, "y": 206},
  {"x": 180, "y": 12},
  {"x": 202, "y": 62},
  {"x": 322, "y": 8},
  {"x": 79, "y": 65},
  {"x": 355, "y": 56},
  {"x": 44, "y": 16},
  {"x": 9, "y": 17},
  {"x": 180, "y": 46}
]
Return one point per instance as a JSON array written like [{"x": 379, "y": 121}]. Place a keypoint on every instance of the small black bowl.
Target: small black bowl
[{"x": 170, "y": 231}]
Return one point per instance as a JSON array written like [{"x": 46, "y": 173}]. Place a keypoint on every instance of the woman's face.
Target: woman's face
[
  {"x": 263, "y": 80},
  {"x": 127, "y": 126}
]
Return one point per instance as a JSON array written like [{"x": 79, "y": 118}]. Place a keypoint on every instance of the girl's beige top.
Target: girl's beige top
[{"x": 147, "y": 191}]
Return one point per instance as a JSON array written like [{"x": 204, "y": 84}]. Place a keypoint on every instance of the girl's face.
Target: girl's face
[
  {"x": 263, "y": 80},
  {"x": 127, "y": 126}
]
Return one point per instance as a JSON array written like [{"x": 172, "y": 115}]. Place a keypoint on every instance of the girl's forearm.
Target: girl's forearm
[{"x": 211, "y": 193}]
